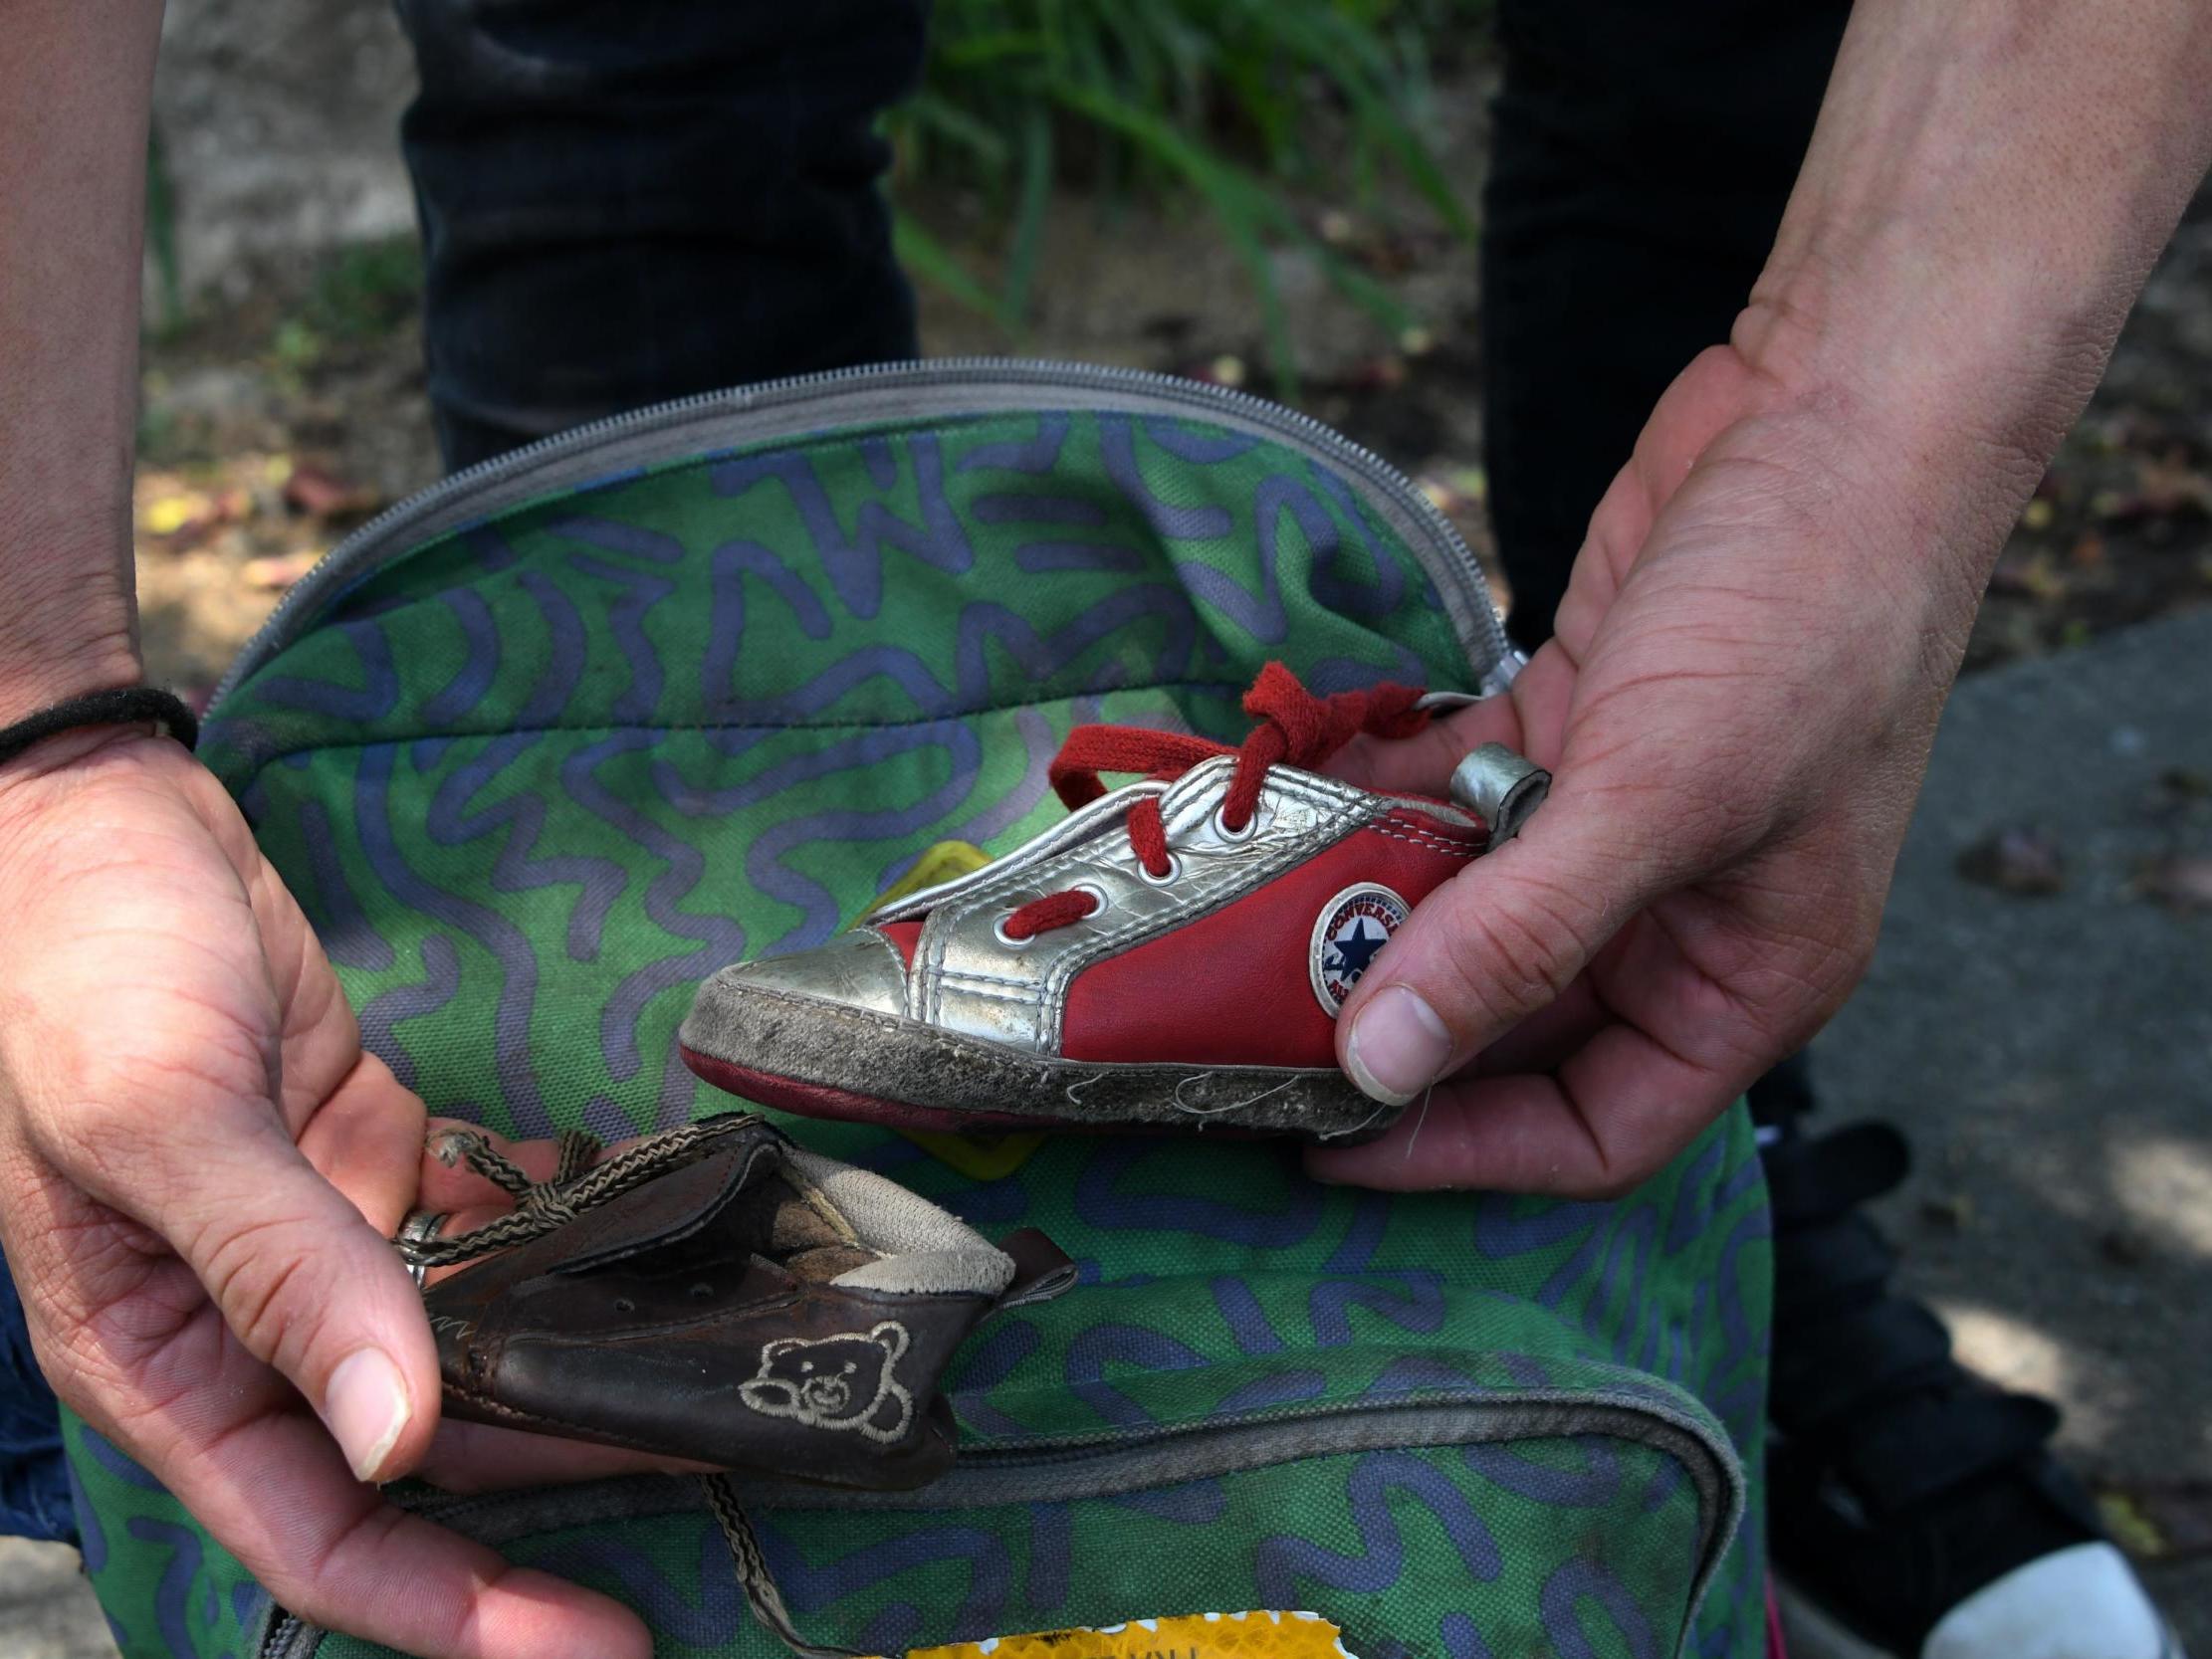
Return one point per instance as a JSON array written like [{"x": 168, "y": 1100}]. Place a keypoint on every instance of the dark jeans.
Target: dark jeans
[
  {"x": 34, "y": 1485},
  {"x": 625, "y": 202},
  {"x": 1643, "y": 157}
]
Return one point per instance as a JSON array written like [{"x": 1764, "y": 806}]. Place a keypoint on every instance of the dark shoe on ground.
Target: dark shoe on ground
[
  {"x": 1914, "y": 1511},
  {"x": 719, "y": 1294}
]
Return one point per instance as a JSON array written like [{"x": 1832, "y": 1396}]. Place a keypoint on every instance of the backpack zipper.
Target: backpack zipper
[
  {"x": 1119, "y": 1460},
  {"x": 787, "y": 407}
]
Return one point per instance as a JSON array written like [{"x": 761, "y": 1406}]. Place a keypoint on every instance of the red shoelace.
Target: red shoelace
[{"x": 1295, "y": 728}]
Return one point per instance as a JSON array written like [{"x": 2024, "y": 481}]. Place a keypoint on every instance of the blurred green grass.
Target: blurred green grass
[{"x": 1248, "y": 106}]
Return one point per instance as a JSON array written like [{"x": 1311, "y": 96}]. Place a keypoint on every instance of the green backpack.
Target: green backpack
[{"x": 546, "y": 745}]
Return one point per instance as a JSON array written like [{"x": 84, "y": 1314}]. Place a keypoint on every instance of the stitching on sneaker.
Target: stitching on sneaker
[{"x": 1435, "y": 843}]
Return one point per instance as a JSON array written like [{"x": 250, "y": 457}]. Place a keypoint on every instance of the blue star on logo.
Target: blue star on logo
[{"x": 1356, "y": 950}]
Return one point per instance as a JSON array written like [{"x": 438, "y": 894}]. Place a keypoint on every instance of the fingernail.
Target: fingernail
[
  {"x": 367, "y": 1410},
  {"x": 1397, "y": 1045}
]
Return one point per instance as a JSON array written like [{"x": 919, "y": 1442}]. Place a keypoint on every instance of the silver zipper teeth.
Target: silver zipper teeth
[
  {"x": 1716, "y": 1530},
  {"x": 338, "y": 564}
]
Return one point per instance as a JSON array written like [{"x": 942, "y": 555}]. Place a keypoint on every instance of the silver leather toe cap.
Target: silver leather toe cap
[{"x": 856, "y": 969}]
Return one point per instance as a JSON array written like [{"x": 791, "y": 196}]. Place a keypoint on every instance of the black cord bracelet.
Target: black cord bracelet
[{"x": 122, "y": 705}]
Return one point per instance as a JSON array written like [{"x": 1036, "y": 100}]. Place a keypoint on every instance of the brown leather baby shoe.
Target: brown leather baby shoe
[{"x": 720, "y": 1294}]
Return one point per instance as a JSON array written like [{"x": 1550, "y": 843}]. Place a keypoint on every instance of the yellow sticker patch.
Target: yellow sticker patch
[
  {"x": 981, "y": 1158},
  {"x": 1188, "y": 1636},
  {"x": 942, "y": 862}
]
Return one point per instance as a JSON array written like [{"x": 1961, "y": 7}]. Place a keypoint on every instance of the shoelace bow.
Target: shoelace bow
[
  {"x": 1295, "y": 728},
  {"x": 580, "y": 1184}
]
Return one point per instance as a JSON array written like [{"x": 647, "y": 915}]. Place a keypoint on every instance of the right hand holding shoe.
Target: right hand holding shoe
[{"x": 199, "y": 1173}]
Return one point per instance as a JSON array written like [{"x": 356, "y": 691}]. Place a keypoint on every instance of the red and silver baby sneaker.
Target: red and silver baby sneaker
[{"x": 1171, "y": 955}]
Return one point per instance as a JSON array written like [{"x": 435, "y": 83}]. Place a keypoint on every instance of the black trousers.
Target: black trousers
[
  {"x": 623, "y": 201},
  {"x": 627, "y": 200},
  {"x": 1644, "y": 153}
]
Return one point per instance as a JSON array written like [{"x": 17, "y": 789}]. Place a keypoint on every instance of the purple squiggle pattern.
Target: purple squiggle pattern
[
  {"x": 854, "y": 563},
  {"x": 500, "y": 937},
  {"x": 1284, "y": 1564}
]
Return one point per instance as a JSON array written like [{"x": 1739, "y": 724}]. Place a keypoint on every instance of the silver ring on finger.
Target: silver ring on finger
[{"x": 422, "y": 1227}]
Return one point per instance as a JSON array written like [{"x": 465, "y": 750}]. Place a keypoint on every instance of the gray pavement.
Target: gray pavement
[
  {"x": 47, "y": 1610},
  {"x": 2052, "y": 1060},
  {"x": 2052, "y": 1057}
]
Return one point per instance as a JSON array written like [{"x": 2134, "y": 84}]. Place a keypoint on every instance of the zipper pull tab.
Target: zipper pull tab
[{"x": 1502, "y": 788}]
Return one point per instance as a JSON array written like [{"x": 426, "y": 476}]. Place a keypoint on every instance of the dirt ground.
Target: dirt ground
[{"x": 274, "y": 423}]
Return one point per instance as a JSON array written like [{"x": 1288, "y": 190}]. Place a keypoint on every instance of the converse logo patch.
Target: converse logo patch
[{"x": 1350, "y": 927}]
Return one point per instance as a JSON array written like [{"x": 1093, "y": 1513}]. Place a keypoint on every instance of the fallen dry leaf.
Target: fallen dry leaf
[
  {"x": 1463, "y": 489},
  {"x": 165, "y": 515},
  {"x": 2131, "y": 1529},
  {"x": 1225, "y": 370},
  {"x": 322, "y": 493},
  {"x": 2162, "y": 1522},
  {"x": 2179, "y": 795},
  {"x": 181, "y": 518},
  {"x": 279, "y": 570},
  {"x": 2171, "y": 486},
  {"x": 2123, "y": 1248},
  {"x": 1375, "y": 374},
  {"x": 2179, "y": 882},
  {"x": 2164, "y": 489},
  {"x": 1948, "y": 1212},
  {"x": 2021, "y": 860},
  {"x": 2031, "y": 575}
]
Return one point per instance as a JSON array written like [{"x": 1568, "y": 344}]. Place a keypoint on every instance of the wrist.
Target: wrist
[
  {"x": 1985, "y": 191},
  {"x": 49, "y": 659},
  {"x": 1926, "y": 421},
  {"x": 1955, "y": 364}
]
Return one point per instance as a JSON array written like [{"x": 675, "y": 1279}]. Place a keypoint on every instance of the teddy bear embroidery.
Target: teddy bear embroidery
[{"x": 835, "y": 1382}]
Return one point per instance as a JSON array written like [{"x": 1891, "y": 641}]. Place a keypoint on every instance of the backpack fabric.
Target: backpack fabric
[{"x": 542, "y": 748}]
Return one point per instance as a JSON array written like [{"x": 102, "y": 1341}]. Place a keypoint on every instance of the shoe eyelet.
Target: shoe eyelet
[
  {"x": 1099, "y": 900},
  {"x": 1235, "y": 836},
  {"x": 1175, "y": 872},
  {"x": 623, "y": 1305},
  {"x": 702, "y": 1292}
]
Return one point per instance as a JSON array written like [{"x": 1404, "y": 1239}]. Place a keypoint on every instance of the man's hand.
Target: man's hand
[
  {"x": 198, "y": 1172},
  {"x": 1737, "y": 711},
  {"x": 1773, "y": 597}
]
